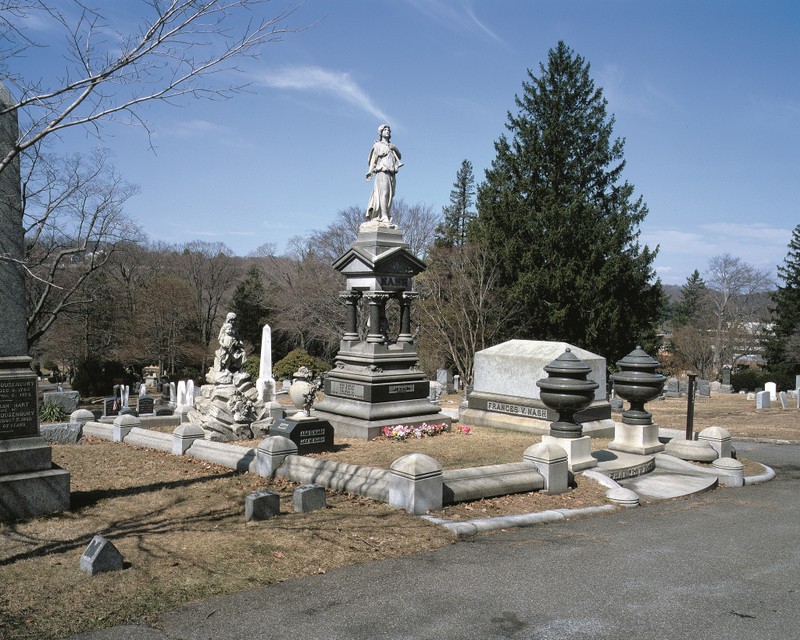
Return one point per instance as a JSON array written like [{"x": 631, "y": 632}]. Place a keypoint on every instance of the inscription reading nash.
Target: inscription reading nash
[{"x": 516, "y": 409}]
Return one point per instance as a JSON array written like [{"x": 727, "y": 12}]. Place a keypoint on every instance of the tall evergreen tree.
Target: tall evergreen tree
[
  {"x": 688, "y": 309},
  {"x": 562, "y": 224},
  {"x": 783, "y": 345},
  {"x": 249, "y": 303},
  {"x": 458, "y": 215}
]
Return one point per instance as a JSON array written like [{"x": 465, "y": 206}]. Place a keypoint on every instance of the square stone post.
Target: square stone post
[{"x": 415, "y": 484}]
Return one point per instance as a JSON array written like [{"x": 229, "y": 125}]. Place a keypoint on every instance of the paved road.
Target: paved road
[{"x": 721, "y": 565}]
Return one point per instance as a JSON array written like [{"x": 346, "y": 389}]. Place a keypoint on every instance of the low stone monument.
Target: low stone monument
[
  {"x": 228, "y": 407},
  {"x": 310, "y": 433},
  {"x": 30, "y": 484},
  {"x": 505, "y": 394}
]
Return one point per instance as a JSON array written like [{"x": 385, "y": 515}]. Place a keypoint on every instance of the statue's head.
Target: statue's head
[
  {"x": 382, "y": 128},
  {"x": 231, "y": 317}
]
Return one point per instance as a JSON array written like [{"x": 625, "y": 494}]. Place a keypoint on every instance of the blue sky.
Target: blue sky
[{"x": 706, "y": 94}]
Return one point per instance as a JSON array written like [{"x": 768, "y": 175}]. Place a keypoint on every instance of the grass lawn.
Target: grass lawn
[{"x": 179, "y": 522}]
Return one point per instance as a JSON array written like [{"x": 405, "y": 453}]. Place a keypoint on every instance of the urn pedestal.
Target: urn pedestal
[
  {"x": 567, "y": 391},
  {"x": 638, "y": 383}
]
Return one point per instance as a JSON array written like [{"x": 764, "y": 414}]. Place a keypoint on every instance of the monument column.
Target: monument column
[
  {"x": 351, "y": 299},
  {"x": 377, "y": 313},
  {"x": 30, "y": 484},
  {"x": 405, "y": 316}
]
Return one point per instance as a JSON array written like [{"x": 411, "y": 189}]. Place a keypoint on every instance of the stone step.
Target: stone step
[
  {"x": 619, "y": 465},
  {"x": 661, "y": 485}
]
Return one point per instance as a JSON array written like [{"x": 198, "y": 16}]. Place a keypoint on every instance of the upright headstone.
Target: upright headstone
[
  {"x": 142, "y": 389},
  {"x": 125, "y": 391},
  {"x": 190, "y": 393},
  {"x": 173, "y": 394},
  {"x": 797, "y": 381},
  {"x": 703, "y": 388},
  {"x": 762, "y": 400},
  {"x": 784, "y": 400},
  {"x": 773, "y": 390},
  {"x": 726, "y": 375},
  {"x": 181, "y": 393},
  {"x": 30, "y": 484},
  {"x": 145, "y": 405},
  {"x": 672, "y": 388}
]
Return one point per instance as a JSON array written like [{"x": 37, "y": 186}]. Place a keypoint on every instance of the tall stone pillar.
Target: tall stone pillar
[
  {"x": 377, "y": 315},
  {"x": 405, "y": 316},
  {"x": 30, "y": 484},
  {"x": 351, "y": 299}
]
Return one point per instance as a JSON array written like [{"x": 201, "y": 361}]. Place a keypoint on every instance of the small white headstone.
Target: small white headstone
[
  {"x": 762, "y": 400},
  {"x": 784, "y": 400},
  {"x": 181, "y": 394},
  {"x": 142, "y": 389},
  {"x": 773, "y": 390},
  {"x": 125, "y": 392},
  {"x": 190, "y": 393},
  {"x": 172, "y": 393}
]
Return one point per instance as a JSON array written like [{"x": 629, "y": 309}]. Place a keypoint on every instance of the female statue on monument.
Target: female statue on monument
[{"x": 384, "y": 163}]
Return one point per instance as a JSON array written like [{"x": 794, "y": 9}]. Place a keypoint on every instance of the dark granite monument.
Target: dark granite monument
[
  {"x": 30, "y": 484},
  {"x": 375, "y": 382}
]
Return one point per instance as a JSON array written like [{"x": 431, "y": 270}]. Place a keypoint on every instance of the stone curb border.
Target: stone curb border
[
  {"x": 468, "y": 528},
  {"x": 481, "y": 525}
]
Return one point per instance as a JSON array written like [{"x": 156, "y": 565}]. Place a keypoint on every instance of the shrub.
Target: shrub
[
  {"x": 752, "y": 379},
  {"x": 284, "y": 368},
  {"x": 51, "y": 412},
  {"x": 252, "y": 366},
  {"x": 95, "y": 377}
]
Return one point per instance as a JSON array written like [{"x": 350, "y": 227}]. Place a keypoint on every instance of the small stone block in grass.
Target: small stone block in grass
[
  {"x": 309, "y": 497},
  {"x": 101, "y": 555},
  {"x": 261, "y": 505}
]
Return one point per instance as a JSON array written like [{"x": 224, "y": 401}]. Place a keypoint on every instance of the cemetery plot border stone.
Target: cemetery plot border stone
[{"x": 261, "y": 505}]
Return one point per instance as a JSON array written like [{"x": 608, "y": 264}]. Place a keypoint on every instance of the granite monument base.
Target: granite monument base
[
  {"x": 531, "y": 415},
  {"x": 362, "y": 429}
]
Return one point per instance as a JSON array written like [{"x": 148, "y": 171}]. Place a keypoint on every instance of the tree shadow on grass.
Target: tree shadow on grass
[
  {"x": 82, "y": 499},
  {"x": 152, "y": 522}
]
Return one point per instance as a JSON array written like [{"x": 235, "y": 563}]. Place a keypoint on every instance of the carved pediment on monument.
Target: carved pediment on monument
[{"x": 394, "y": 261}]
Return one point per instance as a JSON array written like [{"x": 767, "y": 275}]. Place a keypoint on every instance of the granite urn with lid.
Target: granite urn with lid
[
  {"x": 637, "y": 382},
  {"x": 567, "y": 391}
]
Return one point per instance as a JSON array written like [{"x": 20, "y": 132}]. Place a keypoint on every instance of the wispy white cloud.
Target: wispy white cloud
[
  {"x": 458, "y": 17},
  {"x": 338, "y": 84}
]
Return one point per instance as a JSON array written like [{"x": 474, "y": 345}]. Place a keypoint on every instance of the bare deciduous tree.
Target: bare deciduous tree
[
  {"x": 173, "y": 52},
  {"x": 73, "y": 222},
  {"x": 459, "y": 312},
  {"x": 212, "y": 271},
  {"x": 735, "y": 295}
]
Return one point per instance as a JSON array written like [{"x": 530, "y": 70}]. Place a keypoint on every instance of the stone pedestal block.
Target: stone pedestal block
[
  {"x": 261, "y": 505},
  {"x": 271, "y": 453},
  {"x": 184, "y": 435},
  {"x": 636, "y": 438},
  {"x": 578, "y": 450},
  {"x": 123, "y": 425},
  {"x": 719, "y": 439},
  {"x": 415, "y": 484},
  {"x": 551, "y": 461}
]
